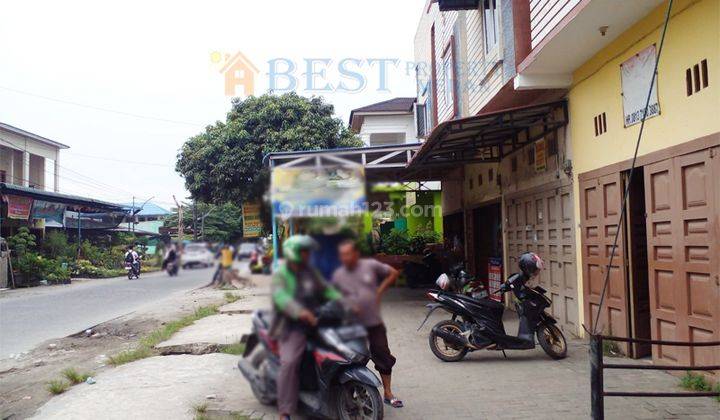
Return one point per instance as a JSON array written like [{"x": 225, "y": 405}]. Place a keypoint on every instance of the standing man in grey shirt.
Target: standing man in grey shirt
[{"x": 363, "y": 282}]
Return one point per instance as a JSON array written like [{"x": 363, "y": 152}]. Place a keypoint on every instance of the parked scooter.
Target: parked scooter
[
  {"x": 477, "y": 323},
  {"x": 335, "y": 383}
]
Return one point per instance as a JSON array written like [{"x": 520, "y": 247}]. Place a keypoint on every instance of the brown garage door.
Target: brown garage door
[
  {"x": 542, "y": 222},
  {"x": 682, "y": 203},
  {"x": 600, "y": 200}
]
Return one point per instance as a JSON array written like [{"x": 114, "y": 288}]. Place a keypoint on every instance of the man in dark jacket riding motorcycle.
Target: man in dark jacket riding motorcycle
[{"x": 297, "y": 290}]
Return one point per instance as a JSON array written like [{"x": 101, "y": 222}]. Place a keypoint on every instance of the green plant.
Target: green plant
[
  {"x": 232, "y": 297},
  {"x": 235, "y": 348},
  {"x": 22, "y": 242},
  {"x": 421, "y": 239},
  {"x": 611, "y": 349},
  {"x": 695, "y": 382},
  {"x": 56, "y": 245},
  {"x": 74, "y": 376},
  {"x": 395, "y": 243},
  {"x": 57, "y": 386}
]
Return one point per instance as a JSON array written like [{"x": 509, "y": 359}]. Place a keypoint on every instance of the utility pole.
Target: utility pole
[
  {"x": 195, "y": 232},
  {"x": 181, "y": 232},
  {"x": 202, "y": 223},
  {"x": 133, "y": 216}
]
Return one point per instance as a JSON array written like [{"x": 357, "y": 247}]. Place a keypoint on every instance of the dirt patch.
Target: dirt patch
[{"x": 24, "y": 379}]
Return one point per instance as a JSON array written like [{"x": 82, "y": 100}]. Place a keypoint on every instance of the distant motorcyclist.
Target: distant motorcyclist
[
  {"x": 297, "y": 290},
  {"x": 170, "y": 260},
  {"x": 133, "y": 258}
]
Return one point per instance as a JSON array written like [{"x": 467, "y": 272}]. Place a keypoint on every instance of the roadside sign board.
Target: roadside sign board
[
  {"x": 495, "y": 279},
  {"x": 636, "y": 74},
  {"x": 252, "y": 225},
  {"x": 540, "y": 156}
]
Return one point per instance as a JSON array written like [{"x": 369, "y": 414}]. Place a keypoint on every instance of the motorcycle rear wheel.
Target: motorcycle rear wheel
[
  {"x": 552, "y": 340},
  {"x": 442, "y": 350},
  {"x": 359, "y": 401}
]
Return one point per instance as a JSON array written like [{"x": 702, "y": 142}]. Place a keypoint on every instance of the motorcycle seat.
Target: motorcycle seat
[{"x": 487, "y": 303}]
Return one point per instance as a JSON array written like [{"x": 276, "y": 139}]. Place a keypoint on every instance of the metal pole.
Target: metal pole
[
  {"x": 275, "y": 238},
  {"x": 132, "y": 218},
  {"x": 597, "y": 403},
  {"x": 79, "y": 213}
]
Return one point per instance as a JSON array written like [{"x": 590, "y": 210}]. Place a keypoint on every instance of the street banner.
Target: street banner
[
  {"x": 109, "y": 220},
  {"x": 48, "y": 211},
  {"x": 495, "y": 279},
  {"x": 18, "y": 207},
  {"x": 637, "y": 73},
  {"x": 318, "y": 192},
  {"x": 540, "y": 156},
  {"x": 252, "y": 224}
]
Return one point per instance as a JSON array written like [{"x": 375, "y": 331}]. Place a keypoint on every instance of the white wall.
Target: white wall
[
  {"x": 404, "y": 123},
  {"x": 39, "y": 169}
]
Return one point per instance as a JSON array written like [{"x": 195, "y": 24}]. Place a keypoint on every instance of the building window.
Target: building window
[
  {"x": 449, "y": 85},
  {"x": 382, "y": 139},
  {"x": 470, "y": 181},
  {"x": 3, "y": 176},
  {"x": 420, "y": 120},
  {"x": 480, "y": 180},
  {"x": 696, "y": 77},
  {"x": 552, "y": 144},
  {"x": 600, "y": 124},
  {"x": 491, "y": 173},
  {"x": 531, "y": 156},
  {"x": 433, "y": 78},
  {"x": 490, "y": 24}
]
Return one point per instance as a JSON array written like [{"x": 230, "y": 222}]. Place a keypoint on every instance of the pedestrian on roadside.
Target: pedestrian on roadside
[{"x": 363, "y": 281}]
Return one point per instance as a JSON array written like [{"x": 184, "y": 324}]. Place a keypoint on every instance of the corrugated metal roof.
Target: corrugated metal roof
[
  {"x": 149, "y": 209},
  {"x": 60, "y": 198}
]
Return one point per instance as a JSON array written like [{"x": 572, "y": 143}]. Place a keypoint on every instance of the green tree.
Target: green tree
[{"x": 224, "y": 163}]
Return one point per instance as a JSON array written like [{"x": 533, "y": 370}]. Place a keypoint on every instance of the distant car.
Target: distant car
[
  {"x": 246, "y": 249},
  {"x": 197, "y": 255}
]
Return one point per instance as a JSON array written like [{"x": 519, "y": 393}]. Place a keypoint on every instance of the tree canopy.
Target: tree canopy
[
  {"x": 224, "y": 163},
  {"x": 222, "y": 224}
]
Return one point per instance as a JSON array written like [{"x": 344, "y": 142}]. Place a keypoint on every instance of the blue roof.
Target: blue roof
[{"x": 149, "y": 209}]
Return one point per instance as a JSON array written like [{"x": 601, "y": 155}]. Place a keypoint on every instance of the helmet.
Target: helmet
[
  {"x": 530, "y": 264},
  {"x": 296, "y": 243}
]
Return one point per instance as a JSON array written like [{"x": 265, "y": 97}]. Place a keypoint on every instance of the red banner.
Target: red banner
[{"x": 18, "y": 207}]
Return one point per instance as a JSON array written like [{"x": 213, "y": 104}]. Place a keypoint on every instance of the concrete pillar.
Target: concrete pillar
[
  {"x": 11, "y": 169},
  {"x": 56, "y": 173},
  {"x": 26, "y": 169}
]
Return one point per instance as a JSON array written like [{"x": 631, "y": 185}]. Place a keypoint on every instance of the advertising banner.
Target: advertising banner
[
  {"x": 495, "y": 279},
  {"x": 109, "y": 220},
  {"x": 318, "y": 192},
  {"x": 252, "y": 224},
  {"x": 637, "y": 73},
  {"x": 50, "y": 212},
  {"x": 18, "y": 207}
]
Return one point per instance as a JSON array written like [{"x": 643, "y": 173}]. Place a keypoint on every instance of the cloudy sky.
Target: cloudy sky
[{"x": 124, "y": 84}]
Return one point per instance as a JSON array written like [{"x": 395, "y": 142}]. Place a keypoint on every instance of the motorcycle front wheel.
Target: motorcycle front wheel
[
  {"x": 445, "y": 351},
  {"x": 552, "y": 340},
  {"x": 359, "y": 401}
]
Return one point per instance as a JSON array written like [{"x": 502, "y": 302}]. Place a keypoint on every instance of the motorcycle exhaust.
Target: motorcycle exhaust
[
  {"x": 452, "y": 338},
  {"x": 247, "y": 369}
]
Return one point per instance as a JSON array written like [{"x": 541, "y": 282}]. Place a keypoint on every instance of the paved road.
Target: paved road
[{"x": 30, "y": 316}]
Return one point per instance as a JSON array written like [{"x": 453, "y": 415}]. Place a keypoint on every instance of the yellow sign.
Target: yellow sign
[
  {"x": 252, "y": 224},
  {"x": 540, "y": 156}
]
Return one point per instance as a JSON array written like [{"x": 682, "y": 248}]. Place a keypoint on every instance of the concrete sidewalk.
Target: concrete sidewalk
[{"x": 526, "y": 385}]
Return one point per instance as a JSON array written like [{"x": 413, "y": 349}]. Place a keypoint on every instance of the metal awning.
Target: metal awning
[
  {"x": 446, "y": 5},
  {"x": 381, "y": 163},
  {"x": 488, "y": 137},
  {"x": 61, "y": 198}
]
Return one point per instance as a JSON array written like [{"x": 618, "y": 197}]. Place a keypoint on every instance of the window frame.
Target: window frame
[
  {"x": 494, "y": 11},
  {"x": 451, "y": 83}
]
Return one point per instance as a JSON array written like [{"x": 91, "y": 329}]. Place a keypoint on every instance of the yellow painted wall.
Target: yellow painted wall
[{"x": 693, "y": 35}]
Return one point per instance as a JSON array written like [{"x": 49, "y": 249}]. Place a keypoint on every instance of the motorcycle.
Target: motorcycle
[
  {"x": 172, "y": 268},
  {"x": 335, "y": 383},
  {"x": 459, "y": 281},
  {"x": 477, "y": 324},
  {"x": 133, "y": 270}
]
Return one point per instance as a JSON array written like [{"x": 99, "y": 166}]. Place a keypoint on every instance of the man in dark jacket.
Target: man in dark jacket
[{"x": 297, "y": 290}]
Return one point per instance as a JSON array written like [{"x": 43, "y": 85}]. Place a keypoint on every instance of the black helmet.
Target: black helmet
[{"x": 530, "y": 264}]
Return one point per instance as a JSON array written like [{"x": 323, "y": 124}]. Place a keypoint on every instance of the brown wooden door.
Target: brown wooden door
[
  {"x": 600, "y": 201},
  {"x": 543, "y": 223},
  {"x": 682, "y": 196}
]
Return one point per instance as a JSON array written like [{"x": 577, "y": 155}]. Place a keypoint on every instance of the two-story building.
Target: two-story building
[
  {"x": 28, "y": 160},
  {"x": 536, "y": 107}
]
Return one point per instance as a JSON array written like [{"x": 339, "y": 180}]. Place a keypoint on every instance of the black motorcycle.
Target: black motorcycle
[
  {"x": 477, "y": 324},
  {"x": 334, "y": 384}
]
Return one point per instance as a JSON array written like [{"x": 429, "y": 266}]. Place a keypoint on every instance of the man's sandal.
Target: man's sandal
[{"x": 394, "y": 402}]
